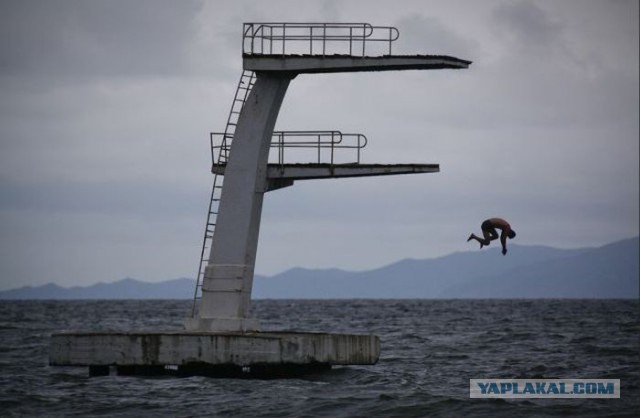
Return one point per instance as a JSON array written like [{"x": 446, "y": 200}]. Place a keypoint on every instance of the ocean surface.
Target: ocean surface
[{"x": 430, "y": 350}]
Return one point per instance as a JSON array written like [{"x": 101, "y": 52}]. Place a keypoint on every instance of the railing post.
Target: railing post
[
  {"x": 332, "y": 145},
  {"x": 284, "y": 37},
  {"x": 324, "y": 38},
  {"x": 270, "y": 39},
  {"x": 244, "y": 35},
  {"x": 253, "y": 39},
  {"x": 213, "y": 158}
]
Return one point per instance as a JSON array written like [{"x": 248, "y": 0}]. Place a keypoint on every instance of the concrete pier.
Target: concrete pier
[{"x": 182, "y": 353}]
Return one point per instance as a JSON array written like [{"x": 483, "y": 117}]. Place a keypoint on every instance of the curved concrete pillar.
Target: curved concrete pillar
[{"x": 228, "y": 278}]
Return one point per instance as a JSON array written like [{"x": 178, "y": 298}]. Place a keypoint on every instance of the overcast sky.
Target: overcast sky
[{"x": 106, "y": 109}]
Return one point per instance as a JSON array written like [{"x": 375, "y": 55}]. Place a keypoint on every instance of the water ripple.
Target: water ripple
[{"x": 431, "y": 348}]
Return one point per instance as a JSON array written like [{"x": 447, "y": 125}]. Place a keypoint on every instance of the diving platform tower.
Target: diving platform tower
[
  {"x": 273, "y": 55},
  {"x": 249, "y": 160}
]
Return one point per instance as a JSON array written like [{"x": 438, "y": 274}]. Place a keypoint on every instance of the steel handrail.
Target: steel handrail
[
  {"x": 281, "y": 140},
  {"x": 308, "y": 32}
]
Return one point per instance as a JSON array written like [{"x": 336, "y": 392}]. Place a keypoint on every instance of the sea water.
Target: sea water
[{"x": 430, "y": 350}]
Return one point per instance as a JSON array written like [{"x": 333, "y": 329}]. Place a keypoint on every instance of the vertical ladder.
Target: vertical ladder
[{"x": 246, "y": 83}]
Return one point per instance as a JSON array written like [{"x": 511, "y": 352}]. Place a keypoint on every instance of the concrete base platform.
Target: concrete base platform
[{"x": 184, "y": 353}]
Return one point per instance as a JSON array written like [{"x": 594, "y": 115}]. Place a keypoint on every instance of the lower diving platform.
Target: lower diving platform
[
  {"x": 283, "y": 175},
  {"x": 313, "y": 171},
  {"x": 322, "y": 148},
  {"x": 322, "y": 171}
]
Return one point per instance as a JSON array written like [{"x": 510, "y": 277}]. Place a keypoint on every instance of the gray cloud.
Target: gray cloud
[
  {"x": 107, "y": 106},
  {"x": 92, "y": 38},
  {"x": 422, "y": 33},
  {"x": 529, "y": 26}
]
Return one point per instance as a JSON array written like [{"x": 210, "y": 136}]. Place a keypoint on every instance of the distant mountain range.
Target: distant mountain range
[
  {"x": 611, "y": 271},
  {"x": 122, "y": 289}
]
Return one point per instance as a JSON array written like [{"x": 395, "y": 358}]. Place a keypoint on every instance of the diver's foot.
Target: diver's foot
[{"x": 470, "y": 237}]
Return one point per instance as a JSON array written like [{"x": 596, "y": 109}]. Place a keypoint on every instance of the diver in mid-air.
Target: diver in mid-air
[{"x": 489, "y": 233}]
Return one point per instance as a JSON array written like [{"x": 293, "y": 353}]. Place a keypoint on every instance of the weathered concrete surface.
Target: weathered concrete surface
[
  {"x": 206, "y": 348},
  {"x": 301, "y": 64},
  {"x": 228, "y": 278}
]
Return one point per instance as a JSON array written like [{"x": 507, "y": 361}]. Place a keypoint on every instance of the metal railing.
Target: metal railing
[
  {"x": 323, "y": 144},
  {"x": 317, "y": 39}
]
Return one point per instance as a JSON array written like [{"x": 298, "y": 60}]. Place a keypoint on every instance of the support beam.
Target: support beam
[{"x": 228, "y": 278}]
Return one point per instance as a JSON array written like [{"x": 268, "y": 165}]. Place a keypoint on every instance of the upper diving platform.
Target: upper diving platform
[{"x": 331, "y": 47}]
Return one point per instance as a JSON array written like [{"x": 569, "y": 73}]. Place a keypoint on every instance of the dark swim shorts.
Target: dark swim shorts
[{"x": 487, "y": 226}]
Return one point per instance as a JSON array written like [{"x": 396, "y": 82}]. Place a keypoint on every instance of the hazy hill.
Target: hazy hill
[
  {"x": 608, "y": 272},
  {"x": 122, "y": 289},
  {"x": 611, "y": 271},
  {"x": 526, "y": 272}
]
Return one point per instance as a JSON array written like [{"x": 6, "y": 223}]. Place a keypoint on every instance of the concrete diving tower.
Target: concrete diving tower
[{"x": 250, "y": 159}]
